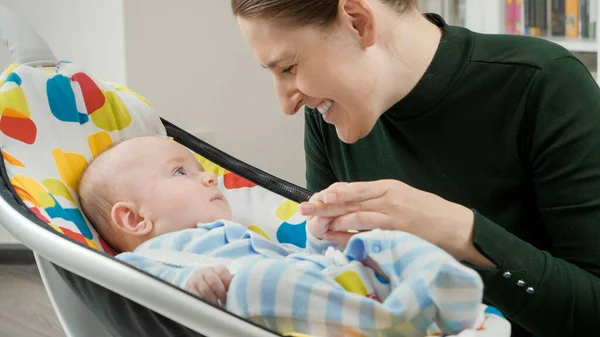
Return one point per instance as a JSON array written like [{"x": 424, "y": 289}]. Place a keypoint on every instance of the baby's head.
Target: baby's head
[{"x": 143, "y": 187}]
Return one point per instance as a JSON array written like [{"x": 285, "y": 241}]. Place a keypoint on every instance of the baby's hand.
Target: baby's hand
[
  {"x": 210, "y": 284},
  {"x": 318, "y": 226}
]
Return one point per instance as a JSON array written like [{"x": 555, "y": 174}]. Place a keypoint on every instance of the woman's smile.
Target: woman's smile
[{"x": 325, "y": 108}]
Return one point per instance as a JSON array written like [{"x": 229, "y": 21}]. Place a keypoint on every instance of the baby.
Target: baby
[
  {"x": 149, "y": 195},
  {"x": 142, "y": 188}
]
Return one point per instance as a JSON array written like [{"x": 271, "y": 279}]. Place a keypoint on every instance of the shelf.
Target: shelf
[{"x": 574, "y": 44}]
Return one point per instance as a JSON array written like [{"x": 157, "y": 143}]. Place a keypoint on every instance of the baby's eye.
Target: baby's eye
[{"x": 179, "y": 171}]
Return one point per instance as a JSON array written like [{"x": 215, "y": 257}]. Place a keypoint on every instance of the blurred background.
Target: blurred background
[{"x": 570, "y": 23}]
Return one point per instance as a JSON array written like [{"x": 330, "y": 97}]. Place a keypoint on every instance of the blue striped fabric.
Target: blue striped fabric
[{"x": 286, "y": 288}]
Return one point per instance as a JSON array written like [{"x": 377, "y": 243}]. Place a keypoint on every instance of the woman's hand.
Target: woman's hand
[{"x": 393, "y": 205}]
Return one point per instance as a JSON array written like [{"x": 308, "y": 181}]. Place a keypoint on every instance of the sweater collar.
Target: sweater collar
[{"x": 451, "y": 57}]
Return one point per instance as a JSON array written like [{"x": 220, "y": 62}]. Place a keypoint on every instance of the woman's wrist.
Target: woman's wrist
[
  {"x": 468, "y": 252},
  {"x": 465, "y": 249},
  {"x": 474, "y": 257}
]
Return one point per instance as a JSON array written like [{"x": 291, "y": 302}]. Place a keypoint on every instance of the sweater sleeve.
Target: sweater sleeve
[
  {"x": 553, "y": 292},
  {"x": 319, "y": 174},
  {"x": 177, "y": 276}
]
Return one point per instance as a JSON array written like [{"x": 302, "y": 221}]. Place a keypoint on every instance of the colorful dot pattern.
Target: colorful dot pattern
[{"x": 54, "y": 120}]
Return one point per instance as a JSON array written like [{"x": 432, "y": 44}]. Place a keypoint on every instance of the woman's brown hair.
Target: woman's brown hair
[{"x": 301, "y": 12}]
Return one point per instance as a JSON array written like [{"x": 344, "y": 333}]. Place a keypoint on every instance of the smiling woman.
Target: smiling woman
[
  {"x": 484, "y": 145},
  {"x": 320, "y": 65}
]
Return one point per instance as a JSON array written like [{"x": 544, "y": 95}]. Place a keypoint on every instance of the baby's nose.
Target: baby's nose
[{"x": 209, "y": 179}]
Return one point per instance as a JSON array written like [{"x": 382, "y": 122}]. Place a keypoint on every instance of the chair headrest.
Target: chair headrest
[
  {"x": 54, "y": 120},
  {"x": 23, "y": 43}
]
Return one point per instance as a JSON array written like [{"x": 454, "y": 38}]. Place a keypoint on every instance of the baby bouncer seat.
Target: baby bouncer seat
[{"x": 55, "y": 117}]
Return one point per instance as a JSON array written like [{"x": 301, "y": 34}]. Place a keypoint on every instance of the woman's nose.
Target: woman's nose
[
  {"x": 292, "y": 104},
  {"x": 290, "y": 99},
  {"x": 209, "y": 179}
]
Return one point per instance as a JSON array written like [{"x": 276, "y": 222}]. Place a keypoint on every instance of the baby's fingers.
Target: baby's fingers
[
  {"x": 207, "y": 294},
  {"x": 341, "y": 238},
  {"x": 319, "y": 226},
  {"x": 216, "y": 287},
  {"x": 224, "y": 275}
]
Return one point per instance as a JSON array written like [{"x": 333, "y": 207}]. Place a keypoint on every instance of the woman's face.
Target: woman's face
[{"x": 332, "y": 70}]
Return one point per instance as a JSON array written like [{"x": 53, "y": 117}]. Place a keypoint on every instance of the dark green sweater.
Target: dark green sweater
[{"x": 510, "y": 127}]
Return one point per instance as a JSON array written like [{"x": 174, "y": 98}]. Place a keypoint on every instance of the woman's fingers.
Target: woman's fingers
[
  {"x": 352, "y": 192},
  {"x": 345, "y": 198},
  {"x": 360, "y": 221},
  {"x": 339, "y": 183},
  {"x": 340, "y": 208},
  {"x": 321, "y": 196}
]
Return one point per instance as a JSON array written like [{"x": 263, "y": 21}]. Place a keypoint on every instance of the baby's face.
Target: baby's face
[{"x": 169, "y": 185}]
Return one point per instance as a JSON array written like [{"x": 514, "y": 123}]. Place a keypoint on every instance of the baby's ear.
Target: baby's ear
[{"x": 127, "y": 218}]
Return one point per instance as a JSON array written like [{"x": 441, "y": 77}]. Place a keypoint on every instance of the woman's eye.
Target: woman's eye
[
  {"x": 288, "y": 70},
  {"x": 179, "y": 171}
]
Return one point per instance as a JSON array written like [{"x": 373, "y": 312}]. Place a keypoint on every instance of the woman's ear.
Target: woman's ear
[
  {"x": 360, "y": 16},
  {"x": 127, "y": 218}
]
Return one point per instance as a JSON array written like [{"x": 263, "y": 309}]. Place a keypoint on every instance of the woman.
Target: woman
[{"x": 487, "y": 146}]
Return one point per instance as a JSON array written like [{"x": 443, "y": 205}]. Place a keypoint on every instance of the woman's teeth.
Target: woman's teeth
[{"x": 324, "y": 107}]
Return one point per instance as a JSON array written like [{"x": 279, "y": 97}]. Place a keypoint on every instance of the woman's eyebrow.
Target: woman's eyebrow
[{"x": 275, "y": 62}]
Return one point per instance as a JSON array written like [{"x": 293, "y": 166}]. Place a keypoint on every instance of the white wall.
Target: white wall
[
  {"x": 88, "y": 32},
  {"x": 190, "y": 60}
]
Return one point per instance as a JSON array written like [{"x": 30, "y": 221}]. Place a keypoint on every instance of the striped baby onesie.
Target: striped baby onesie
[{"x": 286, "y": 288}]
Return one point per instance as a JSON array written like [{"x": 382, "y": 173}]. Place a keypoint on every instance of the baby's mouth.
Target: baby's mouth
[{"x": 217, "y": 196}]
